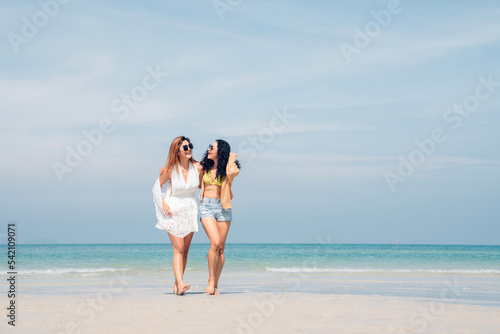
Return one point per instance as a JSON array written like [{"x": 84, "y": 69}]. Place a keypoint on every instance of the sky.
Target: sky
[{"x": 354, "y": 121}]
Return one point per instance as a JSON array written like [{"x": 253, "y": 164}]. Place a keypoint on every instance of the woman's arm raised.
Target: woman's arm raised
[{"x": 232, "y": 168}]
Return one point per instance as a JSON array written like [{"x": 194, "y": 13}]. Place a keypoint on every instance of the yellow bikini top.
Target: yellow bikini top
[{"x": 208, "y": 179}]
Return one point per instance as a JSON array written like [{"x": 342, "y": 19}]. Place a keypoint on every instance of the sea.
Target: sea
[{"x": 395, "y": 269}]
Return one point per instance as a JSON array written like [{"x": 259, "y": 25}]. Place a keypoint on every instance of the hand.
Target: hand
[
  {"x": 166, "y": 208},
  {"x": 162, "y": 170}
]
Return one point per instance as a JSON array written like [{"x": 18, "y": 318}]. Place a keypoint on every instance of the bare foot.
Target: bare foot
[
  {"x": 210, "y": 289},
  {"x": 175, "y": 288},
  {"x": 184, "y": 289},
  {"x": 216, "y": 292}
]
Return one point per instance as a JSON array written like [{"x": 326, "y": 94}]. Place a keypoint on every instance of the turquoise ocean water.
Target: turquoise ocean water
[
  {"x": 94, "y": 260},
  {"x": 395, "y": 270}
]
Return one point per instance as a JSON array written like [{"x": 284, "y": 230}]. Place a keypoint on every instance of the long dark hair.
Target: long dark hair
[{"x": 223, "y": 150}]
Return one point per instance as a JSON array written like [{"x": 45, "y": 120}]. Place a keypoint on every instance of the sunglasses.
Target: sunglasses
[
  {"x": 187, "y": 147},
  {"x": 210, "y": 147}
]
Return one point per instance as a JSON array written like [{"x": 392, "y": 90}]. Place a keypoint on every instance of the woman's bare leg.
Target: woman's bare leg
[
  {"x": 223, "y": 228},
  {"x": 187, "y": 244},
  {"x": 210, "y": 226},
  {"x": 178, "y": 246}
]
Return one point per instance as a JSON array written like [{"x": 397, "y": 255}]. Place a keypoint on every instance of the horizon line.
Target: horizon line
[{"x": 257, "y": 243}]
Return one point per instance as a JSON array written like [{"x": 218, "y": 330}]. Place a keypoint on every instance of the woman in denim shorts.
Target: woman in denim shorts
[{"x": 220, "y": 167}]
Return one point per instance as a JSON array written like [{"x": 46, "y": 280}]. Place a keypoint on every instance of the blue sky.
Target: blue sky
[{"x": 319, "y": 172}]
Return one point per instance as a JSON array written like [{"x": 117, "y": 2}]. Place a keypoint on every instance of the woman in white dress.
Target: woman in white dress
[{"x": 176, "y": 207}]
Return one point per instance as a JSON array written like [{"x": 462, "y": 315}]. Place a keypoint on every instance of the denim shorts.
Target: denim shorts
[{"x": 211, "y": 207}]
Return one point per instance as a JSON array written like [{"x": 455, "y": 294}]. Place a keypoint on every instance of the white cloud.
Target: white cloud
[
  {"x": 254, "y": 128},
  {"x": 400, "y": 47},
  {"x": 442, "y": 162},
  {"x": 360, "y": 167}
]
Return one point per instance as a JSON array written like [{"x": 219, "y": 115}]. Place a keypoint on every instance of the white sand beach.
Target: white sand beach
[{"x": 125, "y": 307}]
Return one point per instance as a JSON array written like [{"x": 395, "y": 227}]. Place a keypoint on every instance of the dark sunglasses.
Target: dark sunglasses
[
  {"x": 187, "y": 147},
  {"x": 210, "y": 147}
]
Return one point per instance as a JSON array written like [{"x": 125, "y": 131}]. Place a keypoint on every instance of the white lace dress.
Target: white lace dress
[{"x": 179, "y": 195}]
